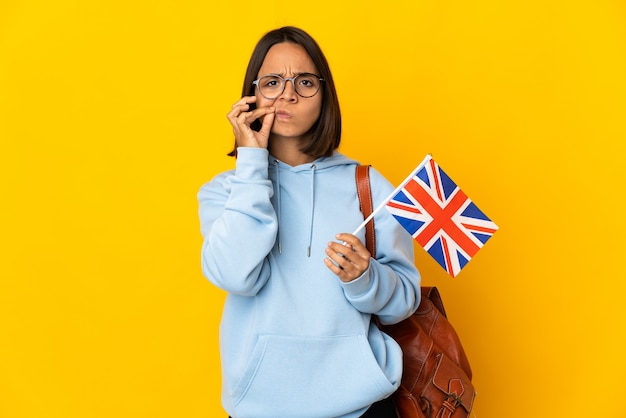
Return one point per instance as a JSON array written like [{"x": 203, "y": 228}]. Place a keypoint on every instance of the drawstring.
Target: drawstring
[
  {"x": 280, "y": 243},
  {"x": 308, "y": 250}
]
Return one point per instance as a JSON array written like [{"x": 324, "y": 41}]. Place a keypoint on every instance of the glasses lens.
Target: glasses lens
[
  {"x": 271, "y": 86},
  {"x": 307, "y": 84}
]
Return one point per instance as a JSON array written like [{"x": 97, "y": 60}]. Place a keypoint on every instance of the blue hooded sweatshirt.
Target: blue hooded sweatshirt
[{"x": 296, "y": 341}]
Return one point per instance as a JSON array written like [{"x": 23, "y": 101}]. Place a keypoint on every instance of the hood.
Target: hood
[
  {"x": 321, "y": 163},
  {"x": 278, "y": 169}
]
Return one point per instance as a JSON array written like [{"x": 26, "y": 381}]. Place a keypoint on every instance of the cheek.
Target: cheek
[
  {"x": 316, "y": 111},
  {"x": 262, "y": 101}
]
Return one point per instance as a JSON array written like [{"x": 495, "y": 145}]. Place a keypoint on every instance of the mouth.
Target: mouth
[{"x": 283, "y": 114}]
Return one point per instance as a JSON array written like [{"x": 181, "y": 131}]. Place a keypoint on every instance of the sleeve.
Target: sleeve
[
  {"x": 238, "y": 224},
  {"x": 390, "y": 287}
]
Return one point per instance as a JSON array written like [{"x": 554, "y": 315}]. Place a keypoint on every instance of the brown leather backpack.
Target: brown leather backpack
[{"x": 436, "y": 379}]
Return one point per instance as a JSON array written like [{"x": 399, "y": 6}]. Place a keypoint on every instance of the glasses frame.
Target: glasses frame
[{"x": 285, "y": 80}]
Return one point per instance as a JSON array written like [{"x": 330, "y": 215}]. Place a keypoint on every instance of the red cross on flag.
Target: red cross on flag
[{"x": 440, "y": 217}]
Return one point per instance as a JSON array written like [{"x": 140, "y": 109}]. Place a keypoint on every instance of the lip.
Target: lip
[{"x": 283, "y": 114}]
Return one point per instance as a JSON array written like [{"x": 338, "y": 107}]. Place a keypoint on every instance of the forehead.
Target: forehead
[{"x": 286, "y": 59}]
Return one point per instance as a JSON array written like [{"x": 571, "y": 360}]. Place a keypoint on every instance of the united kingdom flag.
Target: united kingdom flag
[{"x": 440, "y": 217}]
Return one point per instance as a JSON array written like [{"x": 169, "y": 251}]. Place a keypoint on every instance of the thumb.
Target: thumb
[{"x": 268, "y": 120}]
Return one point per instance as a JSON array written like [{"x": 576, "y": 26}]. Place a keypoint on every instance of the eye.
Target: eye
[
  {"x": 307, "y": 80},
  {"x": 270, "y": 82}
]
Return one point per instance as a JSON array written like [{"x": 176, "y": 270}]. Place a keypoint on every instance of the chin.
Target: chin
[{"x": 288, "y": 133}]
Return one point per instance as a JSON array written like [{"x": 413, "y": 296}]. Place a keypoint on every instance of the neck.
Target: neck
[{"x": 288, "y": 151}]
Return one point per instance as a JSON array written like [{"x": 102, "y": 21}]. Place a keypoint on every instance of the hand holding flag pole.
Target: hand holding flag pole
[{"x": 439, "y": 216}]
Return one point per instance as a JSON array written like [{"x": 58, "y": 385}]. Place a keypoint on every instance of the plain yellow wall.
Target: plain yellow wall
[{"x": 112, "y": 114}]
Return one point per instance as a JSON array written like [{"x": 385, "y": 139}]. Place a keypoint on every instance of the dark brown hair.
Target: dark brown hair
[{"x": 326, "y": 132}]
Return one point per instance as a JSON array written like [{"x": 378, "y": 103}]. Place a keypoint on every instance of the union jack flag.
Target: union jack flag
[{"x": 440, "y": 217}]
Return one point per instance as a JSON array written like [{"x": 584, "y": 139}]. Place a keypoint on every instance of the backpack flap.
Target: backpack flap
[{"x": 457, "y": 389}]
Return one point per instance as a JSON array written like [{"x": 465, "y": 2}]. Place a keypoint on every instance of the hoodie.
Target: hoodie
[{"x": 296, "y": 341}]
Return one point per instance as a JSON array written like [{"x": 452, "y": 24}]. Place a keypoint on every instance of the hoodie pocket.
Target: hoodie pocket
[{"x": 310, "y": 377}]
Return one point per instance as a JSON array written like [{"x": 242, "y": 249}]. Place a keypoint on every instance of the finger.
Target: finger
[
  {"x": 355, "y": 254},
  {"x": 246, "y": 118},
  {"x": 233, "y": 116},
  {"x": 349, "y": 238},
  {"x": 240, "y": 106},
  {"x": 241, "y": 119},
  {"x": 345, "y": 275},
  {"x": 338, "y": 271},
  {"x": 351, "y": 261},
  {"x": 262, "y": 111},
  {"x": 347, "y": 260},
  {"x": 332, "y": 266},
  {"x": 337, "y": 256},
  {"x": 268, "y": 120},
  {"x": 355, "y": 243},
  {"x": 342, "y": 249},
  {"x": 245, "y": 100}
]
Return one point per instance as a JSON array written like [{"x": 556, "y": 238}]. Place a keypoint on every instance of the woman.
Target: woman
[{"x": 297, "y": 338}]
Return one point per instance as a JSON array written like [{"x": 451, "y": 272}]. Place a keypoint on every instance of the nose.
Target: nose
[{"x": 289, "y": 92}]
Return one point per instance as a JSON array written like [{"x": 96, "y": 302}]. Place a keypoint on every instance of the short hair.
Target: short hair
[{"x": 326, "y": 131}]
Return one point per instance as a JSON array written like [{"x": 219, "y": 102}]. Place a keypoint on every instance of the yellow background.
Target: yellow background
[{"x": 112, "y": 114}]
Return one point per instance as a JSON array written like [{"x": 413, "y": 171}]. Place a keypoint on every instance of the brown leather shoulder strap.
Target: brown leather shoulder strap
[
  {"x": 367, "y": 207},
  {"x": 432, "y": 293}
]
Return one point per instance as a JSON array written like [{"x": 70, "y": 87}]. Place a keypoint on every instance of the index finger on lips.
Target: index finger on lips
[
  {"x": 251, "y": 116},
  {"x": 262, "y": 111}
]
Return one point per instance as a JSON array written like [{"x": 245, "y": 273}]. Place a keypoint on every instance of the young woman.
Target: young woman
[{"x": 297, "y": 338}]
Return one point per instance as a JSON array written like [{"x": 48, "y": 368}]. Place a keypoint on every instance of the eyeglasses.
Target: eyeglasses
[{"x": 305, "y": 84}]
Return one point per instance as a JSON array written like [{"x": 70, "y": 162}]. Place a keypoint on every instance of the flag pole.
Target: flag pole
[{"x": 392, "y": 194}]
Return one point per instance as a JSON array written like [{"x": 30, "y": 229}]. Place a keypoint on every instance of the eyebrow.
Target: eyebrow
[{"x": 294, "y": 74}]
